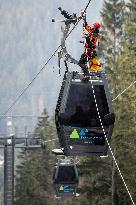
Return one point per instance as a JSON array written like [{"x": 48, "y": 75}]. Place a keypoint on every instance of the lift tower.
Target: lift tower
[
  {"x": 9, "y": 169},
  {"x": 9, "y": 143}
]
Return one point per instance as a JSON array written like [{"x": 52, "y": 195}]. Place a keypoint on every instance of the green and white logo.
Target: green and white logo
[
  {"x": 61, "y": 188},
  {"x": 74, "y": 135}
]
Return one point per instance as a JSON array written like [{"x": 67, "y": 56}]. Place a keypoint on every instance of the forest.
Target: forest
[{"x": 99, "y": 179}]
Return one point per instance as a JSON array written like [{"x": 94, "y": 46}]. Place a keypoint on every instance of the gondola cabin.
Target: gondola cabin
[
  {"x": 65, "y": 178},
  {"x": 80, "y": 108}
]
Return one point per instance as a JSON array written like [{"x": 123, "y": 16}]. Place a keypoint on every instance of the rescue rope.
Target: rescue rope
[{"x": 110, "y": 146}]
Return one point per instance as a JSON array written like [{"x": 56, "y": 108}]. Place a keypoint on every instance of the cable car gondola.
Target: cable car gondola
[
  {"x": 65, "y": 178},
  {"x": 77, "y": 121}
]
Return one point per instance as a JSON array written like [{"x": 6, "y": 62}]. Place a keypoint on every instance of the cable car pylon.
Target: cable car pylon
[{"x": 9, "y": 143}]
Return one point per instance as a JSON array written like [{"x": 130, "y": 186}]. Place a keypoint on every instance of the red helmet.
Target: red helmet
[{"x": 97, "y": 24}]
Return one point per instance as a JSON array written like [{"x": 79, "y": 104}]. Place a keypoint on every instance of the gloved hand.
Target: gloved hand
[
  {"x": 83, "y": 12},
  {"x": 81, "y": 42}
]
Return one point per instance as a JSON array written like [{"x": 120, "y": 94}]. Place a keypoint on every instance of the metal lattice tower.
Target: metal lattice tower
[
  {"x": 9, "y": 143},
  {"x": 9, "y": 173}
]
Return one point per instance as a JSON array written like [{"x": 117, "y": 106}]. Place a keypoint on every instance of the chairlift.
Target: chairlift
[
  {"x": 65, "y": 178},
  {"x": 77, "y": 121}
]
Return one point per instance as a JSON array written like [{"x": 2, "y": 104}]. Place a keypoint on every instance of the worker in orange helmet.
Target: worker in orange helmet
[{"x": 91, "y": 41}]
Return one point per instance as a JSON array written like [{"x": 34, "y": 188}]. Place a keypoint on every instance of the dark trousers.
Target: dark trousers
[{"x": 85, "y": 57}]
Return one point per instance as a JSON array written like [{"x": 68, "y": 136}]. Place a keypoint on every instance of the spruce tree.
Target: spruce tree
[
  {"x": 113, "y": 18},
  {"x": 111, "y": 35},
  {"x": 95, "y": 174},
  {"x": 126, "y": 104},
  {"x": 34, "y": 174},
  {"x": 122, "y": 75}
]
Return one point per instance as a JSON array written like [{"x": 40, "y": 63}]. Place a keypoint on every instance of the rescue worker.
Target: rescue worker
[{"x": 91, "y": 41}]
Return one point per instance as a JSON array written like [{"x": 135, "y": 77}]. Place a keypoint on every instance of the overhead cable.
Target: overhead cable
[
  {"x": 27, "y": 87},
  {"x": 110, "y": 147},
  {"x": 124, "y": 91}
]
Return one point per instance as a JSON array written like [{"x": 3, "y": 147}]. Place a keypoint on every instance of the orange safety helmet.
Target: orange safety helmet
[{"x": 97, "y": 24}]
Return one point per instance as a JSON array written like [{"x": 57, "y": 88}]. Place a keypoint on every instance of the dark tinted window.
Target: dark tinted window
[
  {"x": 81, "y": 106},
  {"x": 66, "y": 174}
]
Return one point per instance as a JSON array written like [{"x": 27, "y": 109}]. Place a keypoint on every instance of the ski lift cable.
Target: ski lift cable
[
  {"x": 36, "y": 116},
  {"x": 27, "y": 87},
  {"x": 124, "y": 91},
  {"x": 110, "y": 147}
]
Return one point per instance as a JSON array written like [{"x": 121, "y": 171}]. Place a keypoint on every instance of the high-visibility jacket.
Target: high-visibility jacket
[{"x": 93, "y": 37}]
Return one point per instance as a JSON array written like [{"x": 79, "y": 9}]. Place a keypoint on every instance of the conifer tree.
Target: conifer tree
[
  {"x": 112, "y": 28},
  {"x": 122, "y": 61},
  {"x": 126, "y": 104},
  {"x": 113, "y": 17},
  {"x": 96, "y": 176},
  {"x": 33, "y": 180}
]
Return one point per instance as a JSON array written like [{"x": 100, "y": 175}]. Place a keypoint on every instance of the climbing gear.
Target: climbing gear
[{"x": 94, "y": 64}]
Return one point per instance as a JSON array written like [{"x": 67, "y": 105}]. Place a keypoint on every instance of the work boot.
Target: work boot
[
  {"x": 85, "y": 78},
  {"x": 84, "y": 69}
]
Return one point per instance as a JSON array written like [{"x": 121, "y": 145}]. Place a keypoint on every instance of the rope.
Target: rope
[{"x": 110, "y": 147}]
